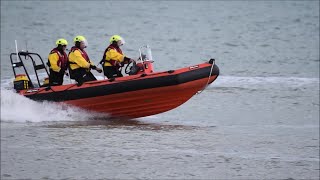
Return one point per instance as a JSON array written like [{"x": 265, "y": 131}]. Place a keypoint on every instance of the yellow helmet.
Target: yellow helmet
[
  {"x": 62, "y": 42},
  {"x": 116, "y": 38},
  {"x": 79, "y": 39}
]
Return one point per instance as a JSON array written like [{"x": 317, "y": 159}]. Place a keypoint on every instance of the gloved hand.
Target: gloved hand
[
  {"x": 99, "y": 70},
  {"x": 93, "y": 66},
  {"x": 102, "y": 62},
  {"x": 132, "y": 60},
  {"x": 127, "y": 60}
]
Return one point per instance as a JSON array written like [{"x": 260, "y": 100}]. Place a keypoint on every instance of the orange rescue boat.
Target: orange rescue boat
[{"x": 142, "y": 93}]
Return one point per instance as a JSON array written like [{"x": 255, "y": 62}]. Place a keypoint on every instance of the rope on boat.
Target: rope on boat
[{"x": 207, "y": 84}]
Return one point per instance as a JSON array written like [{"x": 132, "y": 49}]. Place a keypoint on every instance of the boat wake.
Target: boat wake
[{"x": 17, "y": 108}]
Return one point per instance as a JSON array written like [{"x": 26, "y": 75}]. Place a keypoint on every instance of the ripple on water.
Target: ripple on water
[
  {"x": 231, "y": 44},
  {"x": 120, "y": 123}
]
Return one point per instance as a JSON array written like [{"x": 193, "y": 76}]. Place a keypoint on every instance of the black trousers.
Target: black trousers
[
  {"x": 81, "y": 75},
  {"x": 55, "y": 78},
  {"x": 111, "y": 72}
]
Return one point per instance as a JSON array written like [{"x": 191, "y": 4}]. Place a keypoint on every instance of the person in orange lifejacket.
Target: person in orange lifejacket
[
  {"x": 79, "y": 62},
  {"x": 57, "y": 62},
  {"x": 113, "y": 58}
]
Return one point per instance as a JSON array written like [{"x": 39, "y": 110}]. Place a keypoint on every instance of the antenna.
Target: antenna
[{"x": 16, "y": 49}]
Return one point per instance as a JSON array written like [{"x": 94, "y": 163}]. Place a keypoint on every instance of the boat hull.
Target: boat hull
[{"x": 132, "y": 96}]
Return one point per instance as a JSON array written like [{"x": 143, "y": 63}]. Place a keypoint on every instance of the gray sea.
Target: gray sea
[{"x": 258, "y": 120}]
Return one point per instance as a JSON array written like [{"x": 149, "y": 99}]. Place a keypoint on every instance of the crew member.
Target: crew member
[
  {"x": 113, "y": 58},
  {"x": 57, "y": 62},
  {"x": 79, "y": 62}
]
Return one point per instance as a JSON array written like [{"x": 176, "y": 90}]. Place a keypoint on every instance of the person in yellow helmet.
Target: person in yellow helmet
[
  {"x": 57, "y": 62},
  {"x": 80, "y": 63},
  {"x": 113, "y": 58}
]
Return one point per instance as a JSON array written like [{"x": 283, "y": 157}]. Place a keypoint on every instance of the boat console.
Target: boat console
[{"x": 144, "y": 63}]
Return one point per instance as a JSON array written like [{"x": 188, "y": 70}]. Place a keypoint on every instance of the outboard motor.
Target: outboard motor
[{"x": 21, "y": 82}]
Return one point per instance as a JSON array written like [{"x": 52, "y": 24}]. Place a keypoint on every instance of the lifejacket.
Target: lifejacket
[
  {"x": 83, "y": 53},
  {"x": 63, "y": 59},
  {"x": 114, "y": 63}
]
